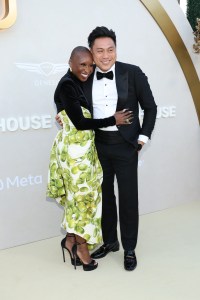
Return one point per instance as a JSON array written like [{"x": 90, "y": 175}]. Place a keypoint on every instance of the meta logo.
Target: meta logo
[
  {"x": 8, "y": 18},
  {"x": 20, "y": 182}
]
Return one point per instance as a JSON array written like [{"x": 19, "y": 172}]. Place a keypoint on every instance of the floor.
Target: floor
[{"x": 168, "y": 255}]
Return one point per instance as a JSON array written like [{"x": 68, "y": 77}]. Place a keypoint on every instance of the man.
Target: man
[{"x": 125, "y": 88}]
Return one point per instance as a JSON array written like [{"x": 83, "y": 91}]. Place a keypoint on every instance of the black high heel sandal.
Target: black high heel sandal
[
  {"x": 78, "y": 261},
  {"x": 86, "y": 267}
]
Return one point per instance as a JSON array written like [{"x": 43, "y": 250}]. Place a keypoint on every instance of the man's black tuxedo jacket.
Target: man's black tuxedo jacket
[{"x": 133, "y": 89}]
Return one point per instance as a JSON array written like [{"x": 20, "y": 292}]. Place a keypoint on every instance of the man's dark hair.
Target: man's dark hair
[
  {"x": 79, "y": 49},
  {"x": 99, "y": 32}
]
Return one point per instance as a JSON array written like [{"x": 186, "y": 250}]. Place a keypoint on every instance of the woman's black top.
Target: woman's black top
[{"x": 70, "y": 97}]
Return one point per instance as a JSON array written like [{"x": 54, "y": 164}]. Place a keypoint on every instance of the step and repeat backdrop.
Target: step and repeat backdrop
[{"x": 34, "y": 52}]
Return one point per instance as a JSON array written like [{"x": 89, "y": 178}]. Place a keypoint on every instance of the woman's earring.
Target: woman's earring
[{"x": 70, "y": 69}]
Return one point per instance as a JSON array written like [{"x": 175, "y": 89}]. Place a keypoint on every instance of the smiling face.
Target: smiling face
[
  {"x": 104, "y": 53},
  {"x": 81, "y": 64}
]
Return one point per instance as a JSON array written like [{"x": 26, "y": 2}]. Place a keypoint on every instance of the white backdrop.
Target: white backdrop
[{"x": 33, "y": 57}]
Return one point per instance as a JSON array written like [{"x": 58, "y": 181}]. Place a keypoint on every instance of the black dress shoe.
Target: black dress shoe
[
  {"x": 105, "y": 249},
  {"x": 130, "y": 261}
]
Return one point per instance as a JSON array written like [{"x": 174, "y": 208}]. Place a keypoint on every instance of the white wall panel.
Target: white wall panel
[{"x": 30, "y": 53}]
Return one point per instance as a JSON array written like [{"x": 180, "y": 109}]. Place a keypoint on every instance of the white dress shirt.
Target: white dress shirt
[{"x": 104, "y": 95}]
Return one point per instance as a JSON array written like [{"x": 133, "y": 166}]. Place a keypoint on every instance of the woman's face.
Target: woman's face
[{"x": 81, "y": 65}]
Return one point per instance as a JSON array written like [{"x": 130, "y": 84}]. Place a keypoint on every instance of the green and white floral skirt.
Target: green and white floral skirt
[{"x": 74, "y": 180}]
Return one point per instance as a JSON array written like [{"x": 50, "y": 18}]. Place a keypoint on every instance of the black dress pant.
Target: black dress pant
[{"x": 120, "y": 159}]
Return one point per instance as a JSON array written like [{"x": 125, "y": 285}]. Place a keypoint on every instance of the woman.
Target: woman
[{"x": 75, "y": 174}]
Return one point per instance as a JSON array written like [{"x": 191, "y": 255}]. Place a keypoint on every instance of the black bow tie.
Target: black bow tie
[{"x": 108, "y": 75}]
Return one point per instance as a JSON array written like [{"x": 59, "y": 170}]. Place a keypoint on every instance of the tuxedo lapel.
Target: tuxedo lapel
[{"x": 121, "y": 76}]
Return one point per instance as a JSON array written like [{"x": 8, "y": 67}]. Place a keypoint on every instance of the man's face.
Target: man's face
[{"x": 104, "y": 53}]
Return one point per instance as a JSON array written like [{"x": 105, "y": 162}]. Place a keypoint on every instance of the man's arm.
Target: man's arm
[{"x": 147, "y": 103}]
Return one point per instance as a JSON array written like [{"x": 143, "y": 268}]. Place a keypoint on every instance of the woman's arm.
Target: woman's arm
[{"x": 70, "y": 101}]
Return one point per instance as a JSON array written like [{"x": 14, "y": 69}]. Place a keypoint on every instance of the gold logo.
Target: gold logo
[{"x": 9, "y": 14}]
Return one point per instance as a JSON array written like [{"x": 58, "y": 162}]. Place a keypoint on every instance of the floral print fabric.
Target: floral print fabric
[{"x": 74, "y": 180}]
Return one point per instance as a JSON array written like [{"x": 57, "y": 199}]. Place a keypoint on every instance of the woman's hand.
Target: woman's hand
[
  {"x": 58, "y": 119},
  {"x": 123, "y": 117}
]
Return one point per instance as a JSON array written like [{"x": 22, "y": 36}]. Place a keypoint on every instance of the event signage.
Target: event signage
[
  {"x": 9, "y": 14},
  {"x": 17, "y": 182},
  {"x": 25, "y": 123}
]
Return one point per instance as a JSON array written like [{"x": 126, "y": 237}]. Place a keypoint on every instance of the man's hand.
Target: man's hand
[
  {"x": 58, "y": 119},
  {"x": 140, "y": 145}
]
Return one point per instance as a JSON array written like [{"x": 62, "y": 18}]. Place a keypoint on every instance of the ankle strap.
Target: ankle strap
[
  {"x": 70, "y": 235},
  {"x": 77, "y": 243}
]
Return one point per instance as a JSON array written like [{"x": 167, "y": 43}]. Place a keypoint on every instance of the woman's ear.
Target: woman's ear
[{"x": 70, "y": 65}]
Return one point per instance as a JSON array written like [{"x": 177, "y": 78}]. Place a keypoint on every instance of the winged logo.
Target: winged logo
[{"x": 45, "y": 68}]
